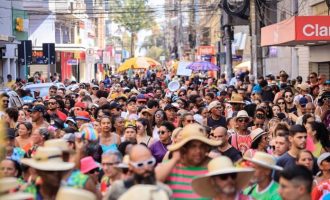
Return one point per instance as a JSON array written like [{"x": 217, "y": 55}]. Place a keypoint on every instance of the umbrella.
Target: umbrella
[
  {"x": 138, "y": 63},
  {"x": 243, "y": 65},
  {"x": 203, "y": 66}
]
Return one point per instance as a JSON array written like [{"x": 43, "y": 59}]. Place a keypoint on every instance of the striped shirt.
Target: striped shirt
[{"x": 180, "y": 179}]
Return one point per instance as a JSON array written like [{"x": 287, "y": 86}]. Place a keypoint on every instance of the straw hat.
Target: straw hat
[
  {"x": 265, "y": 160},
  {"x": 256, "y": 133},
  {"x": 74, "y": 194},
  {"x": 236, "y": 98},
  {"x": 218, "y": 166},
  {"x": 58, "y": 143},
  {"x": 144, "y": 192},
  {"x": 48, "y": 159},
  {"x": 242, "y": 114},
  {"x": 10, "y": 183},
  {"x": 193, "y": 132}
]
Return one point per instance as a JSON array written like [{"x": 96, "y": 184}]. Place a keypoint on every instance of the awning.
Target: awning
[{"x": 298, "y": 30}]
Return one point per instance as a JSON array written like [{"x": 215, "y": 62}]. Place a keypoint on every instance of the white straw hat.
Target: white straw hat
[
  {"x": 265, "y": 160},
  {"x": 74, "y": 194}
]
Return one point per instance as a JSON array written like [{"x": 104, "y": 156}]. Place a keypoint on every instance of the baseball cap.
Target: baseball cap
[
  {"x": 213, "y": 104},
  {"x": 114, "y": 105},
  {"x": 141, "y": 97},
  {"x": 38, "y": 108},
  {"x": 131, "y": 99},
  {"x": 69, "y": 137},
  {"x": 83, "y": 115},
  {"x": 303, "y": 101},
  {"x": 80, "y": 105}
]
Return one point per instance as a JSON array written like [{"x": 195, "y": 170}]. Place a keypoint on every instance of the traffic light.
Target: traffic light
[{"x": 19, "y": 24}]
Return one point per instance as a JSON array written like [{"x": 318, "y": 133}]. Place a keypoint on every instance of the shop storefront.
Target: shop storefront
[{"x": 309, "y": 31}]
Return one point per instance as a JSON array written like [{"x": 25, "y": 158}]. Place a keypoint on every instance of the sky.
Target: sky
[{"x": 144, "y": 33}]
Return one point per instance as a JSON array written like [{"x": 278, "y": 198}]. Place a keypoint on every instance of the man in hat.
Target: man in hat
[
  {"x": 264, "y": 187},
  {"x": 171, "y": 114},
  {"x": 51, "y": 168},
  {"x": 296, "y": 182},
  {"x": 141, "y": 166},
  {"x": 115, "y": 110},
  {"x": 223, "y": 181},
  {"x": 189, "y": 157},
  {"x": 241, "y": 139},
  {"x": 37, "y": 116},
  {"x": 94, "y": 97},
  {"x": 82, "y": 117},
  {"x": 216, "y": 119},
  {"x": 237, "y": 102},
  {"x": 322, "y": 186},
  {"x": 131, "y": 108}
]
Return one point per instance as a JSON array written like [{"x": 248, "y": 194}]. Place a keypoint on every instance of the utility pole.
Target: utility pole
[
  {"x": 294, "y": 50},
  {"x": 180, "y": 51},
  {"x": 254, "y": 67}
]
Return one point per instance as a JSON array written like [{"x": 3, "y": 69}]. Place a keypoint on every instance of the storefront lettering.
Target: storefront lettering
[{"x": 310, "y": 30}]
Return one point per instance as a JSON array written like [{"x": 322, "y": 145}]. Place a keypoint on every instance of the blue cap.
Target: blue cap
[
  {"x": 303, "y": 101},
  {"x": 38, "y": 108}
]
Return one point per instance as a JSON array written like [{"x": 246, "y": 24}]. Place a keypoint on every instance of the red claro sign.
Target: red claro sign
[{"x": 313, "y": 28}]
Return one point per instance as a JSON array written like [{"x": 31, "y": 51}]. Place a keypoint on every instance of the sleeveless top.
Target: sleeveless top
[
  {"x": 76, "y": 180},
  {"x": 112, "y": 146}
]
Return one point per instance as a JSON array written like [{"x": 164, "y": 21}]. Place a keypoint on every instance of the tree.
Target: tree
[{"x": 133, "y": 15}]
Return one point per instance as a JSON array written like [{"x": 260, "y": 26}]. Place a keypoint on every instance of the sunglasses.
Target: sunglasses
[
  {"x": 110, "y": 164},
  {"x": 246, "y": 120},
  {"x": 95, "y": 88},
  {"x": 260, "y": 116},
  {"x": 288, "y": 96},
  {"x": 280, "y": 103},
  {"x": 161, "y": 132},
  {"x": 147, "y": 163},
  {"x": 226, "y": 176},
  {"x": 52, "y": 103},
  {"x": 96, "y": 170}
]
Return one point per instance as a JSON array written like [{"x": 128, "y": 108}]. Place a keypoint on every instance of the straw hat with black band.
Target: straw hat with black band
[
  {"x": 48, "y": 159},
  {"x": 264, "y": 160},
  {"x": 257, "y": 133},
  {"x": 7, "y": 185},
  {"x": 221, "y": 165},
  {"x": 236, "y": 98},
  {"x": 193, "y": 132}
]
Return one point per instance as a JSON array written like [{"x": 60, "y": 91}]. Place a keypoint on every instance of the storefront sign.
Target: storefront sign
[
  {"x": 313, "y": 28},
  {"x": 205, "y": 50}
]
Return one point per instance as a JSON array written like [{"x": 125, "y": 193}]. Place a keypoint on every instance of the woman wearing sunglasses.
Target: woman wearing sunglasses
[
  {"x": 158, "y": 118},
  {"x": 159, "y": 148}
]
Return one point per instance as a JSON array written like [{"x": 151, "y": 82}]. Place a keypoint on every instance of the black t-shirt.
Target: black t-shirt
[
  {"x": 231, "y": 153},
  {"x": 215, "y": 123}
]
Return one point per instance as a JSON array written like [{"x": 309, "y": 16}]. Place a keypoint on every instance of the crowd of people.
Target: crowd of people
[{"x": 151, "y": 136}]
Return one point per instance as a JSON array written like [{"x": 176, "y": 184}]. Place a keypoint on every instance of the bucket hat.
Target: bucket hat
[
  {"x": 58, "y": 143},
  {"x": 74, "y": 194},
  {"x": 218, "y": 166},
  {"x": 48, "y": 159},
  {"x": 265, "y": 160},
  {"x": 242, "y": 114},
  {"x": 193, "y": 132},
  {"x": 87, "y": 164}
]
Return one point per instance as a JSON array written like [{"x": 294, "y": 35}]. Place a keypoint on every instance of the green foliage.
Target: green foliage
[
  {"x": 134, "y": 15},
  {"x": 154, "y": 52}
]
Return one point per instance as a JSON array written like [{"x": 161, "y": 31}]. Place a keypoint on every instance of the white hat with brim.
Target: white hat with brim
[
  {"x": 218, "y": 166},
  {"x": 145, "y": 192},
  {"x": 48, "y": 159},
  {"x": 264, "y": 160},
  {"x": 74, "y": 194},
  {"x": 8, "y": 183},
  {"x": 193, "y": 132},
  {"x": 17, "y": 196},
  {"x": 257, "y": 133}
]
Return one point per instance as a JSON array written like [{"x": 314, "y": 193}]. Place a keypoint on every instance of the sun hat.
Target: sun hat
[
  {"x": 48, "y": 159},
  {"x": 257, "y": 133},
  {"x": 236, "y": 98},
  {"x": 193, "y": 132},
  {"x": 83, "y": 115},
  {"x": 322, "y": 157},
  {"x": 213, "y": 104},
  {"x": 87, "y": 164},
  {"x": 8, "y": 184},
  {"x": 145, "y": 192},
  {"x": 74, "y": 194},
  {"x": 218, "y": 166},
  {"x": 58, "y": 143},
  {"x": 303, "y": 86},
  {"x": 146, "y": 110},
  {"x": 265, "y": 160},
  {"x": 95, "y": 86},
  {"x": 242, "y": 114}
]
